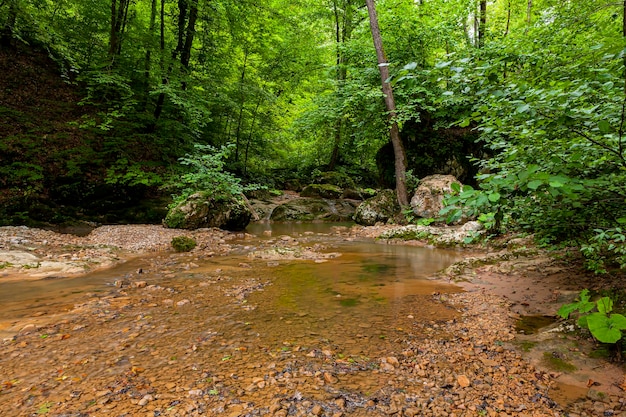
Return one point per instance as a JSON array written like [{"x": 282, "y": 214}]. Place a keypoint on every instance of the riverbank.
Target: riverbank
[{"x": 151, "y": 330}]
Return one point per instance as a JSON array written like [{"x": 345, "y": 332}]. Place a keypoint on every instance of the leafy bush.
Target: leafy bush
[
  {"x": 206, "y": 171},
  {"x": 183, "y": 243}
]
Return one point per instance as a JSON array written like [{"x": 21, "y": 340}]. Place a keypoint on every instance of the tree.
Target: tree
[{"x": 394, "y": 133}]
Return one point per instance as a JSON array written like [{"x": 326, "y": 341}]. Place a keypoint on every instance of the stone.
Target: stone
[
  {"x": 202, "y": 210},
  {"x": 463, "y": 381},
  {"x": 28, "y": 329},
  {"x": 378, "y": 209},
  {"x": 303, "y": 209},
  {"x": 322, "y": 191},
  {"x": 428, "y": 198},
  {"x": 145, "y": 400},
  {"x": 317, "y": 410}
]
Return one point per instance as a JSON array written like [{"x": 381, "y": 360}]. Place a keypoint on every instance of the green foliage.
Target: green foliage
[
  {"x": 606, "y": 246},
  {"x": 183, "y": 243},
  {"x": 604, "y": 326},
  {"x": 205, "y": 171}
]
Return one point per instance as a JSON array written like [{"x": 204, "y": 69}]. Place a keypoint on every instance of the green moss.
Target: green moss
[
  {"x": 556, "y": 363},
  {"x": 183, "y": 243},
  {"x": 527, "y": 345}
]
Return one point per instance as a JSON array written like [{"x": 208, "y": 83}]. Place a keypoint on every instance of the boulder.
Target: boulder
[
  {"x": 307, "y": 209},
  {"x": 201, "y": 210},
  {"x": 322, "y": 191},
  {"x": 428, "y": 198},
  {"x": 334, "y": 178},
  {"x": 379, "y": 208}
]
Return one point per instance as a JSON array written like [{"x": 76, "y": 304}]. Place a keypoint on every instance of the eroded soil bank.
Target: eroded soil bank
[{"x": 206, "y": 333}]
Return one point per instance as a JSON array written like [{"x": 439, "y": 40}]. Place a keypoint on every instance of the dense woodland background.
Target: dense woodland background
[{"x": 525, "y": 100}]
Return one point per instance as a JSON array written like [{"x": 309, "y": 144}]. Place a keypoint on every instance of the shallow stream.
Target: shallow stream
[{"x": 365, "y": 284}]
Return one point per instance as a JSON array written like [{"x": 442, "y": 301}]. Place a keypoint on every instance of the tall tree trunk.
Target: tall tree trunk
[
  {"x": 482, "y": 25},
  {"x": 187, "y": 16},
  {"x": 185, "y": 55},
  {"x": 158, "y": 108},
  {"x": 529, "y": 8},
  {"x": 254, "y": 116},
  {"x": 241, "y": 104},
  {"x": 508, "y": 19},
  {"x": 342, "y": 35},
  {"x": 119, "y": 14},
  {"x": 148, "y": 59},
  {"x": 6, "y": 36},
  {"x": 398, "y": 147}
]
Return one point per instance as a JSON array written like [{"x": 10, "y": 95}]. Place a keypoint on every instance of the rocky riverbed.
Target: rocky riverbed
[{"x": 175, "y": 337}]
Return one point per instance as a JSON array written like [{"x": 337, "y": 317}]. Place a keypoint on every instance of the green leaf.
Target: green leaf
[
  {"x": 523, "y": 108},
  {"x": 604, "y": 126},
  {"x": 601, "y": 327},
  {"x": 533, "y": 185},
  {"x": 605, "y": 305},
  {"x": 456, "y": 187},
  {"x": 494, "y": 197}
]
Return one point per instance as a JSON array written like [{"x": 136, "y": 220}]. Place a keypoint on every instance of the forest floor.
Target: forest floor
[{"x": 159, "y": 343}]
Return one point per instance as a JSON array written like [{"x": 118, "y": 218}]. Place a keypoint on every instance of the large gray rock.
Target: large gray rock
[
  {"x": 203, "y": 210},
  {"x": 379, "y": 208},
  {"x": 428, "y": 198}
]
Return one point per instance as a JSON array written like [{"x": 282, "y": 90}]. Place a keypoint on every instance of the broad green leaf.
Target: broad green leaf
[
  {"x": 601, "y": 328},
  {"x": 618, "y": 321},
  {"x": 533, "y": 185},
  {"x": 456, "y": 187},
  {"x": 522, "y": 108}
]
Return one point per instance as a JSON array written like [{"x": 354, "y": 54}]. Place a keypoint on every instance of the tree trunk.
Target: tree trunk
[
  {"x": 398, "y": 147},
  {"x": 342, "y": 34},
  {"x": 185, "y": 56},
  {"x": 508, "y": 19},
  {"x": 482, "y": 25},
  {"x": 254, "y": 116},
  {"x": 529, "y": 8},
  {"x": 119, "y": 14},
  {"x": 148, "y": 59},
  {"x": 158, "y": 108},
  {"x": 242, "y": 104},
  {"x": 6, "y": 36}
]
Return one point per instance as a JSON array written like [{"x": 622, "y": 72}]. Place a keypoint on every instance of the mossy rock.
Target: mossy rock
[
  {"x": 339, "y": 179},
  {"x": 322, "y": 191},
  {"x": 201, "y": 210},
  {"x": 183, "y": 243},
  {"x": 381, "y": 208},
  {"x": 307, "y": 209}
]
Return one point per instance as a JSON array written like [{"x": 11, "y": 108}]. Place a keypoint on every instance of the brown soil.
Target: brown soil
[{"x": 163, "y": 344}]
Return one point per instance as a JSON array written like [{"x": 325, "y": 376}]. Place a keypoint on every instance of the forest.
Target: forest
[{"x": 105, "y": 104}]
